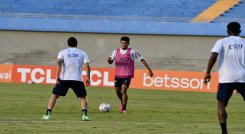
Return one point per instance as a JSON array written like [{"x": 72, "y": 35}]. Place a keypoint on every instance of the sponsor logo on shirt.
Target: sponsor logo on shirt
[
  {"x": 235, "y": 46},
  {"x": 72, "y": 55}
]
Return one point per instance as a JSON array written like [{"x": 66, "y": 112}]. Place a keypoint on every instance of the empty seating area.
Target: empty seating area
[
  {"x": 236, "y": 13},
  {"x": 214, "y": 11},
  {"x": 138, "y": 8},
  {"x": 170, "y": 10}
]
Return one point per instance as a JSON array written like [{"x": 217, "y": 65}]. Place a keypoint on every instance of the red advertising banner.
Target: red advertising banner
[
  {"x": 6, "y": 71},
  {"x": 162, "y": 79},
  {"x": 174, "y": 80},
  {"x": 34, "y": 73}
]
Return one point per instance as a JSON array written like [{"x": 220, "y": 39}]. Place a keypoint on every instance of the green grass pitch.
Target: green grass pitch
[{"x": 148, "y": 112}]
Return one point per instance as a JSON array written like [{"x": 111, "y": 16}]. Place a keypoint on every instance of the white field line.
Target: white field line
[{"x": 100, "y": 122}]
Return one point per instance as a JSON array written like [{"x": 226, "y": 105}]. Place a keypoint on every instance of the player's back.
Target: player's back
[
  {"x": 232, "y": 59},
  {"x": 73, "y": 59}
]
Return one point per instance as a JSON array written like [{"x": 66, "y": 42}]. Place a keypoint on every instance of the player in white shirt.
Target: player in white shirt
[
  {"x": 71, "y": 61},
  {"x": 230, "y": 52},
  {"x": 124, "y": 69}
]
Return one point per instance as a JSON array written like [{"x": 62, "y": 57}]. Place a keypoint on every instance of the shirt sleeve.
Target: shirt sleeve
[
  {"x": 86, "y": 59},
  {"x": 113, "y": 55},
  {"x": 217, "y": 47},
  {"x": 136, "y": 55},
  {"x": 60, "y": 55}
]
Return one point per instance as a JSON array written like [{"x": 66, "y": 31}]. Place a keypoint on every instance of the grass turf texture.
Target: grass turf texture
[{"x": 148, "y": 111}]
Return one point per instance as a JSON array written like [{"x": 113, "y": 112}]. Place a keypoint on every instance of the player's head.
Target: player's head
[
  {"x": 72, "y": 42},
  {"x": 125, "y": 38},
  {"x": 233, "y": 28},
  {"x": 124, "y": 42}
]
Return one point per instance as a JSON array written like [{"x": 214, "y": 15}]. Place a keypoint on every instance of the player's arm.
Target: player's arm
[
  {"x": 58, "y": 68},
  {"x": 87, "y": 66},
  {"x": 137, "y": 55},
  {"x": 112, "y": 57},
  {"x": 147, "y": 66},
  {"x": 211, "y": 63}
]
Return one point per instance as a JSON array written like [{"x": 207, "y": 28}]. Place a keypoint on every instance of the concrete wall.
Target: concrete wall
[{"x": 160, "y": 51}]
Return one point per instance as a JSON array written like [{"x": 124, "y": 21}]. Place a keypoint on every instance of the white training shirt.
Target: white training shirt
[
  {"x": 134, "y": 54},
  {"x": 73, "y": 60},
  {"x": 231, "y": 60}
]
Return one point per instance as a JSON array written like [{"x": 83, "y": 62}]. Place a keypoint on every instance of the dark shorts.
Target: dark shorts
[
  {"x": 77, "y": 87},
  {"x": 122, "y": 81},
  {"x": 225, "y": 91}
]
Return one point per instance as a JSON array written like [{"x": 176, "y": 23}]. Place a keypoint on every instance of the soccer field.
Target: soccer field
[{"x": 148, "y": 111}]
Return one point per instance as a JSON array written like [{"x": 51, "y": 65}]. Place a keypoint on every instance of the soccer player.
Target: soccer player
[
  {"x": 71, "y": 61},
  {"x": 231, "y": 65},
  {"x": 124, "y": 69}
]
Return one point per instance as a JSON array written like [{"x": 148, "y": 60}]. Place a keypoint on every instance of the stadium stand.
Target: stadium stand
[
  {"x": 171, "y": 17},
  {"x": 151, "y": 17},
  {"x": 214, "y": 11},
  {"x": 236, "y": 13}
]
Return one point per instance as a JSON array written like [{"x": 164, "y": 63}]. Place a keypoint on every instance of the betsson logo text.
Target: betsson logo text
[{"x": 174, "y": 82}]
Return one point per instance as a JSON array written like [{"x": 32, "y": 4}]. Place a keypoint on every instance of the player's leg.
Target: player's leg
[
  {"x": 222, "y": 116},
  {"x": 80, "y": 91},
  {"x": 118, "y": 85},
  {"x": 241, "y": 90},
  {"x": 59, "y": 90},
  {"x": 118, "y": 89},
  {"x": 51, "y": 103},
  {"x": 119, "y": 93},
  {"x": 84, "y": 106},
  {"x": 125, "y": 86},
  {"x": 224, "y": 93},
  {"x": 124, "y": 98}
]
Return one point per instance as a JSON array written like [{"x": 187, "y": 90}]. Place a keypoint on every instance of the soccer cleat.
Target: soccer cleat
[
  {"x": 120, "y": 108},
  {"x": 85, "y": 118},
  {"x": 122, "y": 111},
  {"x": 46, "y": 117}
]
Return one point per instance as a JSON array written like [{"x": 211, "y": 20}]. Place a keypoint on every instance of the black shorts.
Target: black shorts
[
  {"x": 122, "y": 81},
  {"x": 77, "y": 87},
  {"x": 225, "y": 91}
]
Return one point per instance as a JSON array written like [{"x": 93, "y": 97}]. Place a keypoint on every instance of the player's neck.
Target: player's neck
[{"x": 124, "y": 48}]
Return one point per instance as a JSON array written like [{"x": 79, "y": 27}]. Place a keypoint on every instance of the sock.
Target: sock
[
  {"x": 84, "y": 112},
  {"x": 223, "y": 127},
  {"x": 124, "y": 107},
  {"x": 48, "y": 111}
]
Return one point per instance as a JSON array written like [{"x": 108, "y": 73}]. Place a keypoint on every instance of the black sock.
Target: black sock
[
  {"x": 223, "y": 127},
  {"x": 48, "y": 111},
  {"x": 124, "y": 107},
  {"x": 84, "y": 112}
]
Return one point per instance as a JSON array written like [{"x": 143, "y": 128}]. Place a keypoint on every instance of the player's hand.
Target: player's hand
[
  {"x": 110, "y": 61},
  {"x": 87, "y": 83},
  {"x": 207, "y": 78},
  {"x": 150, "y": 73},
  {"x": 58, "y": 80}
]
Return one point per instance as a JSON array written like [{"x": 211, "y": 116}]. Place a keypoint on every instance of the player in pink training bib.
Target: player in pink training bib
[{"x": 124, "y": 69}]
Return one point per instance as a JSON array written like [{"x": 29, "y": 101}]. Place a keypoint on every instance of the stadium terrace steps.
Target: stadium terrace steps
[
  {"x": 235, "y": 14},
  {"x": 214, "y": 11}
]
